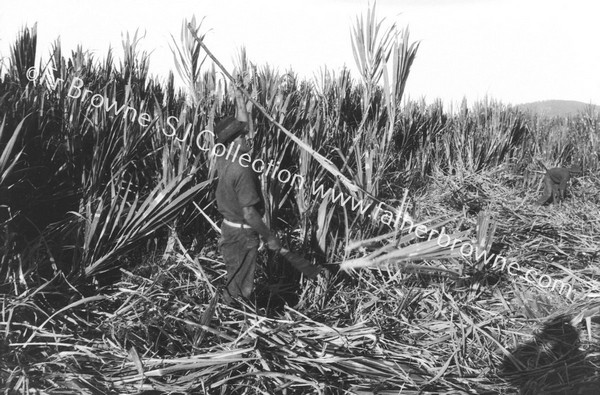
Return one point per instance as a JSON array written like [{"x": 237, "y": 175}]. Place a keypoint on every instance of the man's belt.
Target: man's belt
[{"x": 235, "y": 224}]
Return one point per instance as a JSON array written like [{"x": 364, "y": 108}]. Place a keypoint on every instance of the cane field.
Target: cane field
[{"x": 110, "y": 270}]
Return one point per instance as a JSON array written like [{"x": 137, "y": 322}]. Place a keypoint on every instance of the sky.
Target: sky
[{"x": 514, "y": 51}]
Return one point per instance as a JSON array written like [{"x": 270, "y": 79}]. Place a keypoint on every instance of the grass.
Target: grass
[
  {"x": 370, "y": 331},
  {"x": 110, "y": 269}
]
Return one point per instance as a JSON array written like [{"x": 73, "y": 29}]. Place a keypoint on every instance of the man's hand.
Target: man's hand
[
  {"x": 273, "y": 243},
  {"x": 253, "y": 218}
]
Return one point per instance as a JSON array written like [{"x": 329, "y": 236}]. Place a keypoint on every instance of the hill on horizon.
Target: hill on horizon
[{"x": 557, "y": 108}]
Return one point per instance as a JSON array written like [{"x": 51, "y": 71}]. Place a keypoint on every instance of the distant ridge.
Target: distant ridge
[{"x": 557, "y": 108}]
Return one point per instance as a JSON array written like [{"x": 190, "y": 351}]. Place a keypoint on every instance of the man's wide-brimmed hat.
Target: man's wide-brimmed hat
[{"x": 229, "y": 128}]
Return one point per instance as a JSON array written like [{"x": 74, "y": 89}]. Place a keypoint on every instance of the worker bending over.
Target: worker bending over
[{"x": 555, "y": 183}]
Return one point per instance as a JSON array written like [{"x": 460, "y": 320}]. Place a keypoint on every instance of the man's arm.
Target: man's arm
[
  {"x": 255, "y": 221},
  {"x": 241, "y": 112},
  {"x": 548, "y": 189},
  {"x": 562, "y": 187}
]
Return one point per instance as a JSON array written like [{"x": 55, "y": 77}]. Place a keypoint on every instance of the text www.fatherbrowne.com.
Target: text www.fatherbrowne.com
[{"x": 391, "y": 218}]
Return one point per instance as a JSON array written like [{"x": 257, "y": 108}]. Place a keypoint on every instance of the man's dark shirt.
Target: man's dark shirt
[{"x": 238, "y": 187}]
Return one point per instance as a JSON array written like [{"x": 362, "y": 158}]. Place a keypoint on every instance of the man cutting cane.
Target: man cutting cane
[{"x": 240, "y": 202}]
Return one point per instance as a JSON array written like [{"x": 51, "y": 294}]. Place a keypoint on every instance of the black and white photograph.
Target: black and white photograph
[{"x": 353, "y": 197}]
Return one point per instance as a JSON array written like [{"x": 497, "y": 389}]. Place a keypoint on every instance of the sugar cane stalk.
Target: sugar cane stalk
[{"x": 326, "y": 163}]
